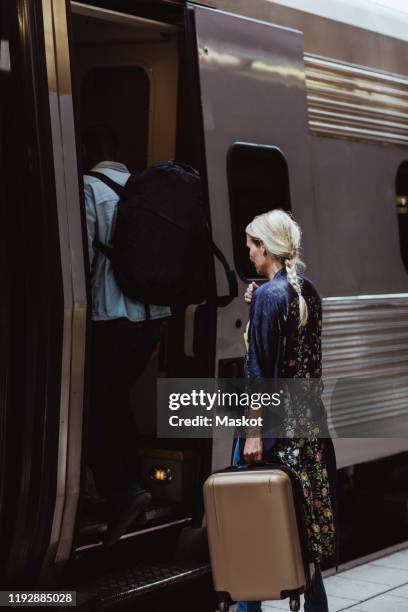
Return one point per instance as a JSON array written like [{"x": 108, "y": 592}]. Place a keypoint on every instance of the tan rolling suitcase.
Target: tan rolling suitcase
[{"x": 257, "y": 535}]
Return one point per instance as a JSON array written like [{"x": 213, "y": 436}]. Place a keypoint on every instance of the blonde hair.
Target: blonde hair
[{"x": 281, "y": 236}]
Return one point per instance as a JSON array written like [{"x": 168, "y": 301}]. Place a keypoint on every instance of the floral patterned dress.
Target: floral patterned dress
[{"x": 277, "y": 347}]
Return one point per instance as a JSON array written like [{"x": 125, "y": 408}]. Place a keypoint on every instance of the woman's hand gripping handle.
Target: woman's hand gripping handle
[{"x": 249, "y": 292}]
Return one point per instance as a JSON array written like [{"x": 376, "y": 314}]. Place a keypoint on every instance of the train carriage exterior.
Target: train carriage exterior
[{"x": 245, "y": 91}]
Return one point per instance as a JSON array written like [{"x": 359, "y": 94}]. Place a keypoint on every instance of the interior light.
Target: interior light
[{"x": 161, "y": 474}]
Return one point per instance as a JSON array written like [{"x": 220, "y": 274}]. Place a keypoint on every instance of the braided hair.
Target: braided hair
[{"x": 281, "y": 236}]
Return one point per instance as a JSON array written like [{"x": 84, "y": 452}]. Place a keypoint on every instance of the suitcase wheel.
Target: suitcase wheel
[
  {"x": 223, "y": 601},
  {"x": 294, "y": 604}
]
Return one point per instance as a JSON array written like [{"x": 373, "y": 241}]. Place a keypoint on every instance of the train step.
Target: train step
[{"x": 144, "y": 586}]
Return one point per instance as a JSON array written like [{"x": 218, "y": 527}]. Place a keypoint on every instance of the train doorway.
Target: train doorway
[{"x": 128, "y": 77}]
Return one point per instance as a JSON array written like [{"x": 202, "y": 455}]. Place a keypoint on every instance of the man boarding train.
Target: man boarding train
[{"x": 124, "y": 336}]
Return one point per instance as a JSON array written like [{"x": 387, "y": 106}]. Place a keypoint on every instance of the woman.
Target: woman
[{"x": 283, "y": 341}]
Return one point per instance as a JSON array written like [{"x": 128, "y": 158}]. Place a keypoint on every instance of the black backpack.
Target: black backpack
[{"x": 161, "y": 249}]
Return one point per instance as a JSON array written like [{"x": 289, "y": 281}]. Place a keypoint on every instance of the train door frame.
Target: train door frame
[
  {"x": 73, "y": 260},
  {"x": 42, "y": 479}
]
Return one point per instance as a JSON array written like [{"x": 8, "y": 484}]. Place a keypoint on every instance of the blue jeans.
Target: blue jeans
[{"x": 315, "y": 599}]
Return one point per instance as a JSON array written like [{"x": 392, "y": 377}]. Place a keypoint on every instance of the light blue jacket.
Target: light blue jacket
[{"x": 108, "y": 301}]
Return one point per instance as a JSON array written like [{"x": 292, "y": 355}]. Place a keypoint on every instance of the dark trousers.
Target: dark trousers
[{"x": 121, "y": 350}]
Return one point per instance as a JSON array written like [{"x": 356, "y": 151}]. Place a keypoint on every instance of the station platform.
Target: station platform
[{"x": 376, "y": 583}]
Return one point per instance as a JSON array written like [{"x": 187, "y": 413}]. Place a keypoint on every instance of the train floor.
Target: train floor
[{"x": 376, "y": 583}]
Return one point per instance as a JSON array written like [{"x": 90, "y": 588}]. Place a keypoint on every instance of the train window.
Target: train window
[
  {"x": 258, "y": 181},
  {"x": 402, "y": 209},
  {"x": 117, "y": 99}
]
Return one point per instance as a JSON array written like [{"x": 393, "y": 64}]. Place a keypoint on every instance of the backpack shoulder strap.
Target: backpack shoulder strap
[
  {"x": 118, "y": 189},
  {"x": 103, "y": 248},
  {"x": 224, "y": 300}
]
